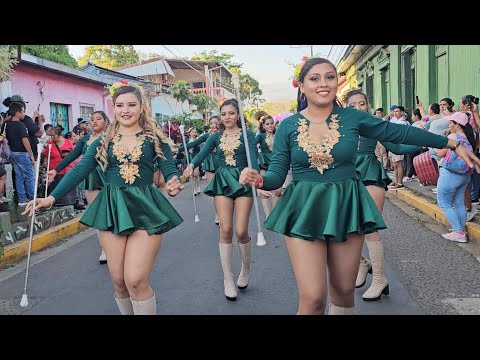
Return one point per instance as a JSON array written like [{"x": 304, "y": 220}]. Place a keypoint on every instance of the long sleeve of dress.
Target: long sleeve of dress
[
  {"x": 210, "y": 144},
  {"x": 375, "y": 128},
  {"x": 400, "y": 149},
  {"x": 167, "y": 165},
  {"x": 79, "y": 173},
  {"x": 280, "y": 162},
  {"x": 72, "y": 156},
  {"x": 198, "y": 141}
]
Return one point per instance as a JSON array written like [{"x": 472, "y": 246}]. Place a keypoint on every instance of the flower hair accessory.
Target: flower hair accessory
[
  {"x": 296, "y": 72},
  {"x": 114, "y": 87}
]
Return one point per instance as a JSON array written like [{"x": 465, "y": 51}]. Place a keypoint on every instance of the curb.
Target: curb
[
  {"x": 19, "y": 250},
  {"x": 432, "y": 210}
]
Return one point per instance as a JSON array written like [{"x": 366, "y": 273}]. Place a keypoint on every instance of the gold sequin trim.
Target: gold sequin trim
[
  {"x": 229, "y": 149},
  {"x": 319, "y": 155},
  {"x": 129, "y": 170}
]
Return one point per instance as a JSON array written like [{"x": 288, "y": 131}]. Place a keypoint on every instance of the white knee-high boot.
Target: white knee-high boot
[
  {"x": 246, "y": 254},
  {"x": 125, "y": 306},
  {"x": 379, "y": 284},
  {"x": 338, "y": 310},
  {"x": 364, "y": 269},
  {"x": 226, "y": 257},
  {"x": 145, "y": 307},
  {"x": 103, "y": 258}
]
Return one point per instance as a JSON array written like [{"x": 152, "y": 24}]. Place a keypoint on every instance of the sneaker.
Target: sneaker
[
  {"x": 471, "y": 215},
  {"x": 399, "y": 187},
  {"x": 22, "y": 203},
  {"x": 434, "y": 190},
  {"x": 3, "y": 199},
  {"x": 392, "y": 185},
  {"x": 474, "y": 202},
  {"x": 407, "y": 179},
  {"x": 456, "y": 237}
]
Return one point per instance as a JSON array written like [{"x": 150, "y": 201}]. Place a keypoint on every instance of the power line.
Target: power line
[{"x": 176, "y": 56}]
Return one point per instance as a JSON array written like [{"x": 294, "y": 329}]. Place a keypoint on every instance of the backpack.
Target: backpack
[
  {"x": 452, "y": 162},
  {"x": 5, "y": 151}
]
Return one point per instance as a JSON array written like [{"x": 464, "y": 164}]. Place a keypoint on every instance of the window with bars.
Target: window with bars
[
  {"x": 407, "y": 80},
  {"x": 86, "y": 111}
]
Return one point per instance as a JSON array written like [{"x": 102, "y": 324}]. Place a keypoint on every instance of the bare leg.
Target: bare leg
[
  {"x": 140, "y": 254},
  {"x": 343, "y": 259},
  {"x": 115, "y": 246},
  {"x": 309, "y": 260},
  {"x": 209, "y": 178},
  {"x": 91, "y": 195}
]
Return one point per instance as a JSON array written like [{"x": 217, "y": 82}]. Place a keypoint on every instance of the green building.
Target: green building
[{"x": 395, "y": 74}]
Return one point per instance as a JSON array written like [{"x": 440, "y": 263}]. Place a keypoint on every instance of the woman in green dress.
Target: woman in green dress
[
  {"x": 192, "y": 151},
  {"x": 94, "y": 182},
  {"x": 266, "y": 140},
  {"x": 130, "y": 213},
  {"x": 375, "y": 179},
  {"x": 230, "y": 197},
  {"x": 210, "y": 164},
  {"x": 326, "y": 210}
]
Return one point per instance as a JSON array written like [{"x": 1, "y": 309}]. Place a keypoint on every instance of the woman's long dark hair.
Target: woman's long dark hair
[
  {"x": 303, "y": 103},
  {"x": 234, "y": 103},
  {"x": 468, "y": 130}
]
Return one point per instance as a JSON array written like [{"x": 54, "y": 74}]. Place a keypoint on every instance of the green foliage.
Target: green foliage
[
  {"x": 249, "y": 87},
  {"x": 179, "y": 91},
  {"x": 225, "y": 59},
  {"x": 203, "y": 102},
  {"x": 109, "y": 56},
  {"x": 56, "y": 53},
  {"x": 7, "y": 61}
]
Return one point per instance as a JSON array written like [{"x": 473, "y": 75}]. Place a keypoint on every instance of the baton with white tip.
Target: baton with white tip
[
  {"x": 182, "y": 130},
  {"x": 260, "y": 238}
]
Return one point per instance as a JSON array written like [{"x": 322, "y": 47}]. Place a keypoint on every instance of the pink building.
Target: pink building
[{"x": 64, "y": 94}]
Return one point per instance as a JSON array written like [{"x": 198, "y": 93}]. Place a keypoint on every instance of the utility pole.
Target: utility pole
[{"x": 302, "y": 46}]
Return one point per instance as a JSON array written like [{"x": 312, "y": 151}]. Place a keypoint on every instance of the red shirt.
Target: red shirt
[{"x": 55, "y": 157}]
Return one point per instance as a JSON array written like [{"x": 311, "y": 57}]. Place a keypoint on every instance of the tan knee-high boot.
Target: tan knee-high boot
[
  {"x": 103, "y": 258},
  {"x": 125, "y": 306},
  {"x": 338, "y": 310},
  {"x": 379, "y": 282},
  {"x": 246, "y": 254},
  {"x": 146, "y": 307},
  {"x": 364, "y": 269},
  {"x": 267, "y": 206},
  {"x": 226, "y": 257}
]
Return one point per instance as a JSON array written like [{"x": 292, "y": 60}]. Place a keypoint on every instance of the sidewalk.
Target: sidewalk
[
  {"x": 19, "y": 250},
  {"x": 425, "y": 200}
]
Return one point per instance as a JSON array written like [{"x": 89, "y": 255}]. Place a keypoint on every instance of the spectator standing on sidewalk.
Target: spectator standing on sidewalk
[{"x": 454, "y": 177}]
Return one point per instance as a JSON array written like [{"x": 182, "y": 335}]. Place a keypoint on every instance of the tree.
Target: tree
[
  {"x": 109, "y": 56},
  {"x": 7, "y": 61},
  {"x": 180, "y": 91},
  {"x": 225, "y": 59},
  {"x": 56, "y": 53},
  {"x": 146, "y": 56}
]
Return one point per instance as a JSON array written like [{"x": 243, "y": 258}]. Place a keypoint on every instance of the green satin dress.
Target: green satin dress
[
  {"x": 225, "y": 181},
  {"x": 370, "y": 169},
  {"x": 210, "y": 163},
  {"x": 333, "y": 204},
  {"x": 96, "y": 178},
  {"x": 123, "y": 207},
  {"x": 265, "y": 155}
]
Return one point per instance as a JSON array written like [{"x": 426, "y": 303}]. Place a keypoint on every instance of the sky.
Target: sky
[{"x": 268, "y": 64}]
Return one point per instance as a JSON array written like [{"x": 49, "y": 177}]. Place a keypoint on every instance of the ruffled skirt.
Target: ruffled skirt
[
  {"x": 327, "y": 211},
  {"x": 125, "y": 209}
]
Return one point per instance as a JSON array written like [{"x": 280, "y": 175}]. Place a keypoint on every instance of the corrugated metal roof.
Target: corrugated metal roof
[{"x": 158, "y": 67}]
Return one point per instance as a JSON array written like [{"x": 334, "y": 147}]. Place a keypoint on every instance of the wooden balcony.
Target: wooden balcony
[{"x": 216, "y": 93}]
